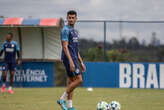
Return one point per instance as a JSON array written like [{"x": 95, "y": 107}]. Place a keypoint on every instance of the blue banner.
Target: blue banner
[
  {"x": 124, "y": 75},
  {"x": 33, "y": 74}
]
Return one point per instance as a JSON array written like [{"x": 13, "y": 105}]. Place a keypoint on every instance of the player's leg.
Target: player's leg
[
  {"x": 78, "y": 80},
  {"x": 10, "y": 90},
  {"x": 4, "y": 76},
  {"x": 76, "y": 75},
  {"x": 12, "y": 72},
  {"x": 70, "y": 95},
  {"x": 4, "y": 81},
  {"x": 64, "y": 96},
  {"x": 71, "y": 81},
  {"x": 75, "y": 83}
]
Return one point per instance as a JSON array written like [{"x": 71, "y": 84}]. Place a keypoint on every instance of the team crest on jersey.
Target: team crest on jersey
[
  {"x": 72, "y": 33},
  {"x": 77, "y": 70},
  {"x": 12, "y": 45}
]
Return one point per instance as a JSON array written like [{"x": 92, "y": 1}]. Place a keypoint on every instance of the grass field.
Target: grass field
[{"x": 45, "y": 98}]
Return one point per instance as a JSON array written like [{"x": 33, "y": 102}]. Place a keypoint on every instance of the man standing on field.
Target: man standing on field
[
  {"x": 70, "y": 58},
  {"x": 10, "y": 49}
]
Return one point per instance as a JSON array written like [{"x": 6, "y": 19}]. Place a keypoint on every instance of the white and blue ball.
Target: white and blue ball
[
  {"x": 102, "y": 105},
  {"x": 114, "y": 105}
]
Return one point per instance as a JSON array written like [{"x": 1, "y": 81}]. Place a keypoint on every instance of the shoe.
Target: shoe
[
  {"x": 3, "y": 89},
  {"x": 62, "y": 103},
  {"x": 10, "y": 91},
  {"x": 72, "y": 108}
]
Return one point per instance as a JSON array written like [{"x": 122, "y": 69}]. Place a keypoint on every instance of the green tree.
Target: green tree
[{"x": 95, "y": 54}]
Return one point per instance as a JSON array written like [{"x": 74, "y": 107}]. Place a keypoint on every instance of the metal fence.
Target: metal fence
[{"x": 141, "y": 39}]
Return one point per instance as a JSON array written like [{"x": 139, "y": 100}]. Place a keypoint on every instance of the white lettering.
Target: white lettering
[
  {"x": 125, "y": 78},
  {"x": 152, "y": 76},
  {"x": 138, "y": 74},
  {"x": 161, "y": 76}
]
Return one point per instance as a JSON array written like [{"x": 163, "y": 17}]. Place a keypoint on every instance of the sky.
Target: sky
[{"x": 92, "y": 10}]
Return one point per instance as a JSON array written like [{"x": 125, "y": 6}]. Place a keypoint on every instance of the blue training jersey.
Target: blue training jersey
[
  {"x": 10, "y": 49},
  {"x": 69, "y": 34}
]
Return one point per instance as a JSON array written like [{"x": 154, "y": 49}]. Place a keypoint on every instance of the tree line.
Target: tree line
[{"x": 123, "y": 50}]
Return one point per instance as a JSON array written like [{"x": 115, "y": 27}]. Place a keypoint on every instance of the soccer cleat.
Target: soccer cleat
[
  {"x": 62, "y": 103},
  {"x": 72, "y": 108},
  {"x": 10, "y": 91},
  {"x": 3, "y": 89}
]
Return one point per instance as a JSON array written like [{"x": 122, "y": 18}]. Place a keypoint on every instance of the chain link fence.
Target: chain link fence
[{"x": 121, "y": 41}]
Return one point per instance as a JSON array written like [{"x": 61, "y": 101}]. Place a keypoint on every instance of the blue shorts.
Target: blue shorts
[
  {"x": 69, "y": 72},
  {"x": 9, "y": 66}
]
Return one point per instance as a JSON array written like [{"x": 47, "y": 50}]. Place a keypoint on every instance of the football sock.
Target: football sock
[
  {"x": 10, "y": 88},
  {"x": 4, "y": 84},
  {"x": 64, "y": 96},
  {"x": 69, "y": 103}
]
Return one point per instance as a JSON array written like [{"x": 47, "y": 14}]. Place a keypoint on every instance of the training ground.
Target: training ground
[{"x": 45, "y": 98}]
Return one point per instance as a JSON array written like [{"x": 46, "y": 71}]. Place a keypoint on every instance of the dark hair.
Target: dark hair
[
  {"x": 11, "y": 34},
  {"x": 71, "y": 12}
]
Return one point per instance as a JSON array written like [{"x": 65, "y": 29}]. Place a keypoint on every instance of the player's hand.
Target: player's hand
[
  {"x": 72, "y": 67},
  {"x": 19, "y": 62},
  {"x": 83, "y": 67}
]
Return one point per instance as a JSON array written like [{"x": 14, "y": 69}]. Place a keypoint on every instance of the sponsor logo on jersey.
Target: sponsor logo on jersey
[
  {"x": 9, "y": 49},
  {"x": 75, "y": 39}
]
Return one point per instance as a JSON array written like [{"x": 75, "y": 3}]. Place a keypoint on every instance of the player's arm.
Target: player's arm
[
  {"x": 81, "y": 63},
  {"x": 64, "y": 39},
  {"x": 79, "y": 58},
  {"x": 2, "y": 49},
  {"x": 1, "y": 52},
  {"x": 67, "y": 53},
  {"x": 19, "y": 57},
  {"x": 18, "y": 54}
]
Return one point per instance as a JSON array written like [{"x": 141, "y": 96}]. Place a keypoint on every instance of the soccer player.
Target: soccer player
[
  {"x": 70, "y": 58},
  {"x": 10, "y": 48}
]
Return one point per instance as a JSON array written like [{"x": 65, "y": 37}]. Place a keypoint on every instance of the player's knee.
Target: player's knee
[
  {"x": 12, "y": 74},
  {"x": 69, "y": 82},
  {"x": 4, "y": 75},
  {"x": 4, "y": 72},
  {"x": 11, "y": 77}
]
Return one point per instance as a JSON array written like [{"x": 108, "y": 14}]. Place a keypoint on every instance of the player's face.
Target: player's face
[
  {"x": 71, "y": 19},
  {"x": 8, "y": 37}
]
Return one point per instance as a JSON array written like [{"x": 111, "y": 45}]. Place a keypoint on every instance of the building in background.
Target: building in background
[{"x": 38, "y": 38}]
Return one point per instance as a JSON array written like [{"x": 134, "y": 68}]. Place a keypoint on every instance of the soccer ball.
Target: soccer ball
[
  {"x": 114, "y": 105},
  {"x": 102, "y": 105}
]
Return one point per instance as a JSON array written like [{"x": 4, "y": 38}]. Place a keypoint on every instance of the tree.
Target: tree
[
  {"x": 133, "y": 43},
  {"x": 96, "y": 54},
  {"x": 2, "y": 16},
  {"x": 160, "y": 55}
]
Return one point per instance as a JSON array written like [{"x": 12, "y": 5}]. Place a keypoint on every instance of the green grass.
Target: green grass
[{"x": 45, "y": 99}]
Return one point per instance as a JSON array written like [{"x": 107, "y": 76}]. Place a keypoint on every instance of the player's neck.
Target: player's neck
[
  {"x": 71, "y": 25},
  {"x": 8, "y": 40}
]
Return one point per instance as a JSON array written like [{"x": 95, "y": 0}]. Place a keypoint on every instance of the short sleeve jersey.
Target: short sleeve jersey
[
  {"x": 10, "y": 49},
  {"x": 71, "y": 35}
]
